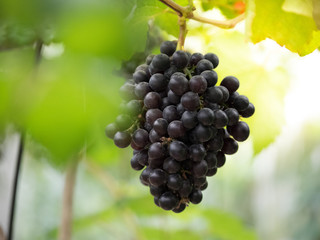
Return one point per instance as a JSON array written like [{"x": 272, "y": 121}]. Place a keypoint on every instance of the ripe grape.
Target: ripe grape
[
  {"x": 204, "y": 65},
  {"x": 168, "y": 47},
  {"x": 198, "y": 84},
  {"x": 190, "y": 101},
  {"x": 180, "y": 59},
  {"x": 231, "y": 83},
  {"x": 213, "y": 58},
  {"x": 122, "y": 139}
]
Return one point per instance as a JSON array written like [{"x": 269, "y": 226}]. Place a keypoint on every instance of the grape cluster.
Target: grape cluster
[{"x": 180, "y": 123}]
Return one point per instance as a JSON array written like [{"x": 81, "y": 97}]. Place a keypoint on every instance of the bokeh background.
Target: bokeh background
[{"x": 270, "y": 189}]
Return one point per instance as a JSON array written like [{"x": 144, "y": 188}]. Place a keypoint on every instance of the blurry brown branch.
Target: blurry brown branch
[
  {"x": 65, "y": 230},
  {"x": 2, "y": 237},
  {"x": 222, "y": 24},
  {"x": 187, "y": 12}
]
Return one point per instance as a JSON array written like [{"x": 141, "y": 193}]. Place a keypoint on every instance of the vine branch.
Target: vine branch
[
  {"x": 222, "y": 24},
  {"x": 187, "y": 12},
  {"x": 174, "y": 6}
]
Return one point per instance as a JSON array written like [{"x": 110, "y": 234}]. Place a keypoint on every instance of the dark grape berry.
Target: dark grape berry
[
  {"x": 173, "y": 98},
  {"x": 176, "y": 129},
  {"x": 154, "y": 136},
  {"x": 122, "y": 139},
  {"x": 180, "y": 59},
  {"x": 140, "y": 137},
  {"x": 180, "y": 208},
  {"x": 214, "y": 95},
  {"x": 198, "y": 84},
  {"x": 206, "y": 116},
  {"x": 157, "y": 177},
  {"x": 221, "y": 119},
  {"x": 196, "y": 196},
  {"x": 178, "y": 150},
  {"x": 135, "y": 163},
  {"x": 152, "y": 115},
  {"x": 156, "y": 150},
  {"x": 239, "y": 131},
  {"x": 178, "y": 84},
  {"x": 160, "y": 63},
  {"x": 225, "y": 93},
  {"x": 230, "y": 146},
  {"x": 190, "y": 101},
  {"x": 174, "y": 181},
  {"x": 171, "y": 166},
  {"x": 221, "y": 159},
  {"x": 140, "y": 76},
  {"x": 202, "y": 133},
  {"x": 170, "y": 113},
  {"x": 195, "y": 58},
  {"x": 211, "y": 77},
  {"x": 152, "y": 100},
  {"x": 233, "y": 116},
  {"x": 160, "y": 126},
  {"x": 158, "y": 82},
  {"x": 189, "y": 119},
  {"x": 168, "y": 201},
  {"x": 179, "y": 123},
  {"x": 248, "y": 112},
  {"x": 197, "y": 152},
  {"x": 168, "y": 47},
  {"x": 142, "y": 89},
  {"x": 213, "y": 58},
  {"x": 241, "y": 103},
  {"x": 200, "y": 168},
  {"x": 204, "y": 65},
  {"x": 231, "y": 83}
]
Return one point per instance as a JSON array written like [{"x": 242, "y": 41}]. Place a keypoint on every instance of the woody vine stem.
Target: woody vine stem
[{"x": 187, "y": 12}]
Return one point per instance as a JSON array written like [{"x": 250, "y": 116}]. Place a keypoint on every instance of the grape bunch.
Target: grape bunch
[{"x": 179, "y": 123}]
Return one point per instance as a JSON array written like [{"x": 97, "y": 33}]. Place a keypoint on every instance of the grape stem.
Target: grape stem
[
  {"x": 187, "y": 72},
  {"x": 182, "y": 32},
  {"x": 187, "y": 12}
]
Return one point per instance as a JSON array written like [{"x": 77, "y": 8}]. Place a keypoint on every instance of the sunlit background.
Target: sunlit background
[{"x": 269, "y": 189}]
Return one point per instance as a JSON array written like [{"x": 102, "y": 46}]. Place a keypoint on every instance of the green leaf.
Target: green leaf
[
  {"x": 227, "y": 226},
  {"x": 159, "y": 234},
  {"x": 228, "y": 8},
  {"x": 265, "y": 88},
  {"x": 169, "y": 23},
  {"x": 300, "y": 7},
  {"x": 296, "y": 32},
  {"x": 316, "y": 12},
  {"x": 157, "y": 11}
]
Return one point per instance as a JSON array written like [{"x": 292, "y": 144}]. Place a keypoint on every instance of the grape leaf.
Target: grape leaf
[
  {"x": 157, "y": 11},
  {"x": 227, "y": 226},
  {"x": 296, "y": 32},
  {"x": 316, "y": 12},
  {"x": 229, "y": 8},
  {"x": 254, "y": 78},
  {"x": 301, "y": 7}
]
